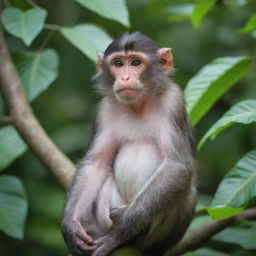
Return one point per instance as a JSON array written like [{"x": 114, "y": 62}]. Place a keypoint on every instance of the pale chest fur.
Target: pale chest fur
[
  {"x": 124, "y": 124},
  {"x": 140, "y": 137}
]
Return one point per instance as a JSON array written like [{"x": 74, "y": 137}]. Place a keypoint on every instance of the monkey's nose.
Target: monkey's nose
[{"x": 125, "y": 78}]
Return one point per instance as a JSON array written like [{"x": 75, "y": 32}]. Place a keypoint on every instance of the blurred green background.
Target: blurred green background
[{"x": 67, "y": 109}]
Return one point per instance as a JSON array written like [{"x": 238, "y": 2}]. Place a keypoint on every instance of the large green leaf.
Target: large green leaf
[
  {"x": 211, "y": 82},
  {"x": 88, "y": 38},
  {"x": 200, "y": 10},
  {"x": 36, "y": 70},
  {"x": 246, "y": 237},
  {"x": 250, "y": 25},
  {"x": 222, "y": 212},
  {"x": 111, "y": 9},
  {"x": 25, "y": 25},
  {"x": 179, "y": 12},
  {"x": 243, "y": 112},
  {"x": 11, "y": 146},
  {"x": 13, "y": 206},
  {"x": 237, "y": 188}
]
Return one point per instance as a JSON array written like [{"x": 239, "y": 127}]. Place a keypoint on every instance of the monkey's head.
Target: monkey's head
[{"x": 132, "y": 67}]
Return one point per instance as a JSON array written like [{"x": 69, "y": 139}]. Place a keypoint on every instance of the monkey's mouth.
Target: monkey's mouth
[{"x": 128, "y": 92}]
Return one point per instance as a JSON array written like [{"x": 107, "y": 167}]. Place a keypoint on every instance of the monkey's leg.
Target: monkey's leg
[
  {"x": 108, "y": 198},
  {"x": 77, "y": 215},
  {"x": 170, "y": 184}
]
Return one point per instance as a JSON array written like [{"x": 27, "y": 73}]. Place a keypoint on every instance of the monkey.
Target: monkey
[{"x": 137, "y": 181}]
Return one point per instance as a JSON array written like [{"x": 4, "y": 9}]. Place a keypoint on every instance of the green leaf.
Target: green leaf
[
  {"x": 205, "y": 252},
  {"x": 179, "y": 12},
  {"x": 211, "y": 82},
  {"x": 222, "y": 212},
  {"x": 37, "y": 70},
  {"x": 111, "y": 9},
  {"x": 25, "y": 25},
  {"x": 13, "y": 206},
  {"x": 88, "y": 38},
  {"x": 243, "y": 112},
  {"x": 237, "y": 188},
  {"x": 245, "y": 237},
  {"x": 201, "y": 8},
  {"x": 11, "y": 146},
  {"x": 250, "y": 25}
]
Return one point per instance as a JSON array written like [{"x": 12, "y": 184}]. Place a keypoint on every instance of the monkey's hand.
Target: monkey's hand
[
  {"x": 109, "y": 242},
  {"x": 78, "y": 241}
]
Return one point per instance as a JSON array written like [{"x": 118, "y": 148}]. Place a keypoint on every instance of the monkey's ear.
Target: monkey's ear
[
  {"x": 100, "y": 61},
  {"x": 165, "y": 58}
]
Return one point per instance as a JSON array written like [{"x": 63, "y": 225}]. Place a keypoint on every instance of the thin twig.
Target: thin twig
[
  {"x": 33, "y": 4},
  {"x": 46, "y": 40},
  {"x": 52, "y": 26}
]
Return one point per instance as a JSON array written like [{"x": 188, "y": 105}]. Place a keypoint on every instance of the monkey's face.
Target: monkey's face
[
  {"x": 126, "y": 69},
  {"x": 134, "y": 75}
]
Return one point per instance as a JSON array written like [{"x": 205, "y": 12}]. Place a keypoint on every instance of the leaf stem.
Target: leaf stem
[
  {"x": 52, "y": 26},
  {"x": 46, "y": 40},
  {"x": 31, "y": 2}
]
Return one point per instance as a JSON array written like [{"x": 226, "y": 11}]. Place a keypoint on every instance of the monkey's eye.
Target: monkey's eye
[
  {"x": 117, "y": 63},
  {"x": 136, "y": 62}
]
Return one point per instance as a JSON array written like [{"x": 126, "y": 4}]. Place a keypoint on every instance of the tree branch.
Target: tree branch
[
  {"x": 195, "y": 238},
  {"x": 26, "y": 123}
]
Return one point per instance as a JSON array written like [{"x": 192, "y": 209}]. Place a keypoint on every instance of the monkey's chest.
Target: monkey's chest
[{"x": 134, "y": 165}]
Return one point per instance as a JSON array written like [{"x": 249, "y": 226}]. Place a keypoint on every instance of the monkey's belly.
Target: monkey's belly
[{"x": 134, "y": 164}]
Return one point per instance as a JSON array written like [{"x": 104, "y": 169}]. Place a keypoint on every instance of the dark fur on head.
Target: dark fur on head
[
  {"x": 152, "y": 77},
  {"x": 132, "y": 42}
]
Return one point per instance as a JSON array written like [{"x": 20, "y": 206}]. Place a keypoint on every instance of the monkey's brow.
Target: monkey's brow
[{"x": 126, "y": 55}]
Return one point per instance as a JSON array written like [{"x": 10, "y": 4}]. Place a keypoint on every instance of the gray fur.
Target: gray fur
[{"x": 159, "y": 215}]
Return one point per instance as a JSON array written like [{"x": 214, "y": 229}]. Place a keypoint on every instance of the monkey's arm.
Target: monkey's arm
[
  {"x": 90, "y": 176},
  {"x": 171, "y": 182}
]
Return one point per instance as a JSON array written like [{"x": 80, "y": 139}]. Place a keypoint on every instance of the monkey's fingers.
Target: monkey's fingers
[
  {"x": 86, "y": 248},
  {"x": 83, "y": 235},
  {"x": 100, "y": 241}
]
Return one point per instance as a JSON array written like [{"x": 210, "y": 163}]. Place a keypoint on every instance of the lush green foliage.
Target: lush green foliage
[
  {"x": 25, "y": 25},
  {"x": 236, "y": 189},
  {"x": 211, "y": 82},
  {"x": 243, "y": 112},
  {"x": 11, "y": 146},
  {"x": 13, "y": 206},
  {"x": 221, "y": 48},
  {"x": 90, "y": 46}
]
